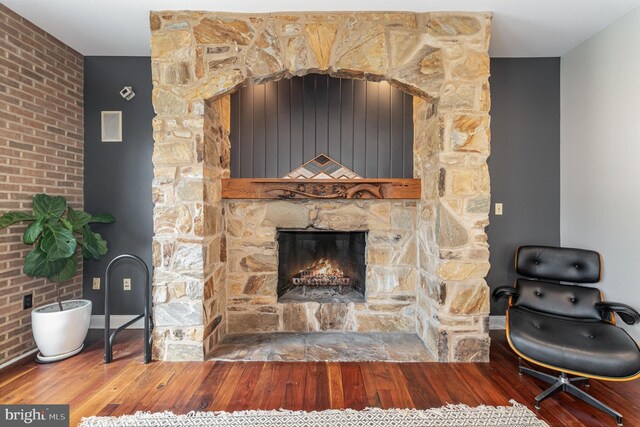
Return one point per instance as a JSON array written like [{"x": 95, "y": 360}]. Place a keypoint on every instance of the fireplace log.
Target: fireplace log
[{"x": 278, "y": 188}]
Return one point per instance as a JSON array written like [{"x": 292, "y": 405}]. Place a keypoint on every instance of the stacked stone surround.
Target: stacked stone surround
[
  {"x": 215, "y": 260},
  {"x": 252, "y": 266},
  {"x": 41, "y": 151}
]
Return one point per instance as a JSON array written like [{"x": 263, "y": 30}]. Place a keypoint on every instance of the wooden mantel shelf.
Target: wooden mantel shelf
[{"x": 278, "y": 188}]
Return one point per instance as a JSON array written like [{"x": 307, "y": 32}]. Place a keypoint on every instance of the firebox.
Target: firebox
[{"x": 321, "y": 266}]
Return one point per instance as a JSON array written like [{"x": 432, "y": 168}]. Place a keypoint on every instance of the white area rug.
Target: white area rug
[{"x": 516, "y": 415}]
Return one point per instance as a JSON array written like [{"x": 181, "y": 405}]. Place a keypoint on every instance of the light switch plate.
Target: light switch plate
[
  {"x": 96, "y": 283},
  {"x": 127, "y": 284},
  {"x": 498, "y": 209}
]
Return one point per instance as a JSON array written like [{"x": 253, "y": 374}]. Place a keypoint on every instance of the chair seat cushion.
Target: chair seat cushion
[{"x": 591, "y": 347}]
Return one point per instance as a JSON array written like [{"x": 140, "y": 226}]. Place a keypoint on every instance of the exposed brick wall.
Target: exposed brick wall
[{"x": 41, "y": 150}]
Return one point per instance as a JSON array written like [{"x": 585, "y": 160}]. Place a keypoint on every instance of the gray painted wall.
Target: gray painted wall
[
  {"x": 117, "y": 175},
  {"x": 278, "y": 126},
  {"x": 524, "y": 162},
  {"x": 524, "y": 165},
  {"x": 600, "y": 151}
]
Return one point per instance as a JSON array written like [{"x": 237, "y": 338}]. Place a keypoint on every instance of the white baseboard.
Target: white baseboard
[
  {"x": 17, "y": 359},
  {"x": 497, "y": 322},
  {"x": 117, "y": 320}
]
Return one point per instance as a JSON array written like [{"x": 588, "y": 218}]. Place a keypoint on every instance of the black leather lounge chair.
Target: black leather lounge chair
[{"x": 555, "y": 323}]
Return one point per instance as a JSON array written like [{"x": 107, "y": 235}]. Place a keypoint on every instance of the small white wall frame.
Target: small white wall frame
[{"x": 111, "y": 126}]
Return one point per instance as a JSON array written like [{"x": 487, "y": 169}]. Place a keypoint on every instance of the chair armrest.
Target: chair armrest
[
  {"x": 505, "y": 291},
  {"x": 626, "y": 313}
]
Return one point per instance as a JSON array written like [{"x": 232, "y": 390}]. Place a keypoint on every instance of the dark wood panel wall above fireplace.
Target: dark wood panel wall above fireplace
[{"x": 366, "y": 126}]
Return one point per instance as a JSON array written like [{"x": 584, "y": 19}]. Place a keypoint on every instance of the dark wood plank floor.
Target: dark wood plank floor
[{"x": 127, "y": 385}]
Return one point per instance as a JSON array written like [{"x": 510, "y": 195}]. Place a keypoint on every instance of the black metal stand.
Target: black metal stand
[
  {"x": 565, "y": 383},
  {"x": 109, "y": 336}
]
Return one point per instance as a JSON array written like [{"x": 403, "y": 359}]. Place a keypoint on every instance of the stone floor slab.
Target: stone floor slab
[{"x": 321, "y": 347}]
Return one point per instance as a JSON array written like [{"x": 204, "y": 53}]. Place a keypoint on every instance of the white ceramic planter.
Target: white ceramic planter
[{"x": 60, "y": 333}]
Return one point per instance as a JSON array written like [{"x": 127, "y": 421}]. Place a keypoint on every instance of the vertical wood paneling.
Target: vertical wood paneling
[
  {"x": 335, "y": 115},
  {"x": 397, "y": 133},
  {"x": 322, "y": 114},
  {"x": 309, "y": 118},
  {"x": 384, "y": 129},
  {"x": 359, "y": 127},
  {"x": 284, "y": 127},
  {"x": 271, "y": 129},
  {"x": 407, "y": 116},
  {"x": 277, "y": 126},
  {"x": 371, "y": 129},
  {"x": 259, "y": 131},
  {"x": 346, "y": 125},
  {"x": 297, "y": 132}
]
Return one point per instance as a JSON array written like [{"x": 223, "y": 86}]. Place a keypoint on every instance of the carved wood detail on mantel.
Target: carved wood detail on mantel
[{"x": 278, "y": 188}]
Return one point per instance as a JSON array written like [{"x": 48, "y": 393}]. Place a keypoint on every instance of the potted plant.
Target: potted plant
[{"x": 58, "y": 233}]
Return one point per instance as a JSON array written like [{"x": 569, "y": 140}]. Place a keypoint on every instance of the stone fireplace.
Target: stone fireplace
[{"x": 218, "y": 268}]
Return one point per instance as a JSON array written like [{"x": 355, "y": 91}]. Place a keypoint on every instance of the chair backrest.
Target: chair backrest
[
  {"x": 561, "y": 300},
  {"x": 558, "y": 264},
  {"x": 548, "y": 265}
]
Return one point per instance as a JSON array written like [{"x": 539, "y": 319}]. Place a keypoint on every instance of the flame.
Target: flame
[
  {"x": 322, "y": 267},
  {"x": 321, "y": 273}
]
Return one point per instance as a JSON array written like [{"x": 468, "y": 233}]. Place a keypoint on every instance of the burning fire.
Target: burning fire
[
  {"x": 323, "y": 267},
  {"x": 321, "y": 273}
]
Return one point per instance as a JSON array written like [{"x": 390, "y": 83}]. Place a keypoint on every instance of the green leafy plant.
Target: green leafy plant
[{"x": 57, "y": 231}]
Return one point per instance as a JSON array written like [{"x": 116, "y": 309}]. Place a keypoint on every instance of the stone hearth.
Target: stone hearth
[
  {"x": 330, "y": 346},
  {"x": 216, "y": 261}
]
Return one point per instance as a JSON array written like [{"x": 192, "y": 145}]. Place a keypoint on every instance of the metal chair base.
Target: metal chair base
[{"x": 564, "y": 383}]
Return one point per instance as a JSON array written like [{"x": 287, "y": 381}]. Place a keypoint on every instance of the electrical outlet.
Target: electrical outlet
[
  {"x": 127, "y": 284},
  {"x": 27, "y": 301},
  {"x": 96, "y": 283},
  {"x": 498, "y": 208}
]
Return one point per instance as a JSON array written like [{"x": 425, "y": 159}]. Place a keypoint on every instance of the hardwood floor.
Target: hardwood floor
[{"x": 127, "y": 385}]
